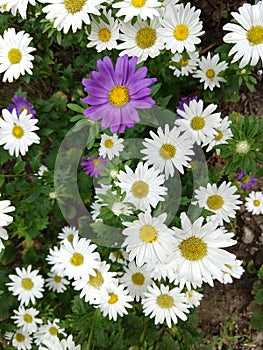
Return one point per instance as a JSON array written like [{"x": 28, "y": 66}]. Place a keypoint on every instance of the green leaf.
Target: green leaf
[
  {"x": 76, "y": 108},
  {"x": 19, "y": 166},
  {"x": 256, "y": 321},
  {"x": 259, "y": 297}
]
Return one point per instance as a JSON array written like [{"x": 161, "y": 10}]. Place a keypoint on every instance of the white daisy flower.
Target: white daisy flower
[
  {"x": 163, "y": 304},
  {"x": 119, "y": 208},
  {"x": 69, "y": 13},
  {"x": 17, "y": 132},
  {"x": 148, "y": 239},
  {"x": 198, "y": 255},
  {"x": 3, "y": 235},
  {"x": 233, "y": 269},
  {"x": 21, "y": 340},
  {"x": 110, "y": 146},
  {"x": 104, "y": 35},
  {"x": 198, "y": 123},
  {"x": 68, "y": 232},
  {"x": 64, "y": 344},
  {"x": 224, "y": 133},
  {"x": 254, "y": 203},
  {"x": 141, "y": 39},
  {"x": 186, "y": 66},
  {"x": 136, "y": 280},
  {"x": 96, "y": 208},
  {"x": 56, "y": 283},
  {"x": 26, "y": 319},
  {"x": 27, "y": 285},
  {"x": 220, "y": 200},
  {"x": 114, "y": 301},
  {"x": 166, "y": 4},
  {"x": 15, "y": 6},
  {"x": 48, "y": 331},
  {"x": 91, "y": 286},
  {"x": 134, "y": 8},
  {"x": 118, "y": 256},
  {"x": 5, "y": 208},
  {"x": 209, "y": 71},
  {"x": 42, "y": 169},
  {"x": 144, "y": 187},
  {"x": 246, "y": 34},
  {"x": 163, "y": 271},
  {"x": 168, "y": 150},
  {"x": 15, "y": 58},
  {"x": 193, "y": 298},
  {"x": 181, "y": 28}
]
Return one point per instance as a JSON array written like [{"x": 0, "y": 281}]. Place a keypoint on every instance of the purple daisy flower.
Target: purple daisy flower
[
  {"x": 247, "y": 181},
  {"x": 20, "y": 104},
  {"x": 93, "y": 166},
  {"x": 116, "y": 94},
  {"x": 185, "y": 100}
]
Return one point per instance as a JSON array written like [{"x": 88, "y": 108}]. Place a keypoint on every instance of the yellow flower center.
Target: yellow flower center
[
  {"x": 197, "y": 123},
  {"x": 96, "y": 162},
  {"x": 167, "y": 151},
  {"x": 138, "y": 278},
  {"x": 181, "y": 32},
  {"x": 138, "y": 3},
  {"x": 255, "y": 35},
  {"x": 108, "y": 143},
  {"x": 14, "y": 55},
  {"x": 27, "y": 283},
  {"x": 57, "y": 279},
  {"x": 104, "y": 34},
  {"x": 53, "y": 331},
  {"x": 165, "y": 301},
  {"x": 219, "y": 135},
  {"x": 74, "y": 6},
  {"x": 247, "y": 180},
  {"x": 215, "y": 202},
  {"x": 183, "y": 63},
  {"x": 18, "y": 131},
  {"x": 117, "y": 254},
  {"x": 96, "y": 281},
  {"x": 210, "y": 73},
  {"x": 70, "y": 237},
  {"x": 148, "y": 234},
  {"x": 20, "y": 338},
  {"x": 119, "y": 96},
  {"x": 256, "y": 202},
  {"x": 140, "y": 189},
  {"x": 146, "y": 37},
  {"x": 113, "y": 298},
  {"x": 28, "y": 318},
  {"x": 77, "y": 259},
  {"x": 24, "y": 109},
  {"x": 193, "y": 248}
]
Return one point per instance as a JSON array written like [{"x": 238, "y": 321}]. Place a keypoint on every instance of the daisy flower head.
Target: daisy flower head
[
  {"x": 148, "y": 239},
  {"x": 137, "y": 8},
  {"x": 193, "y": 298},
  {"x": 224, "y": 133},
  {"x": 233, "y": 269},
  {"x": 164, "y": 304},
  {"x": 26, "y": 319},
  {"x": 94, "y": 166},
  {"x": 56, "y": 283},
  {"x": 15, "y": 57},
  {"x": 17, "y": 132},
  {"x": 246, "y": 34},
  {"x": 27, "y": 285},
  {"x": 185, "y": 100},
  {"x": 247, "y": 181},
  {"x": 220, "y": 200},
  {"x": 181, "y": 28},
  {"x": 198, "y": 255},
  {"x": 19, "y": 6},
  {"x": 104, "y": 35},
  {"x": 184, "y": 67},
  {"x": 209, "y": 71},
  {"x": 64, "y": 344},
  {"x": 168, "y": 150},
  {"x": 114, "y": 301},
  {"x": 21, "y": 340},
  {"x": 199, "y": 123},
  {"x": 141, "y": 39},
  {"x": 48, "y": 331},
  {"x": 116, "y": 94},
  {"x": 5, "y": 219},
  {"x": 144, "y": 187},
  {"x": 66, "y": 14},
  {"x": 110, "y": 146},
  {"x": 254, "y": 203},
  {"x": 20, "y": 103},
  {"x": 136, "y": 280},
  {"x": 68, "y": 232},
  {"x": 4, "y": 236},
  {"x": 120, "y": 208}
]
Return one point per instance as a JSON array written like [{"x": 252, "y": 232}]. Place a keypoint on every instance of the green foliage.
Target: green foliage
[{"x": 256, "y": 321}]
